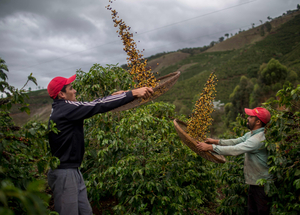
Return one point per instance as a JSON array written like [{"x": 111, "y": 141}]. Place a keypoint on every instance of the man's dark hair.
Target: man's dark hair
[
  {"x": 262, "y": 123},
  {"x": 63, "y": 90}
]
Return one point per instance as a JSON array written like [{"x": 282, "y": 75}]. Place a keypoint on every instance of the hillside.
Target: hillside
[
  {"x": 282, "y": 44},
  {"x": 239, "y": 55},
  {"x": 251, "y": 36},
  {"x": 40, "y": 108}
]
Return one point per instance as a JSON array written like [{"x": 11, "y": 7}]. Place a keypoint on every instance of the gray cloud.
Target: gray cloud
[{"x": 51, "y": 38}]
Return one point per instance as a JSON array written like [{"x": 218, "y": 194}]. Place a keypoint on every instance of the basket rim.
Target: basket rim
[
  {"x": 194, "y": 142},
  {"x": 171, "y": 77}
]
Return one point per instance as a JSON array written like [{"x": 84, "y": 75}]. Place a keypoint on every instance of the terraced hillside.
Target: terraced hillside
[{"x": 282, "y": 44}]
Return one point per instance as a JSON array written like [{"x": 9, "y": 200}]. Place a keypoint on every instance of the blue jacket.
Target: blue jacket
[{"x": 68, "y": 144}]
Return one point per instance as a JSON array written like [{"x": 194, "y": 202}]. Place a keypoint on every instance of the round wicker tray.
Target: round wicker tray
[
  {"x": 164, "y": 84},
  {"x": 191, "y": 143}
]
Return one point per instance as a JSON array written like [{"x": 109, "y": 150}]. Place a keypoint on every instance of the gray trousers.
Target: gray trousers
[{"x": 69, "y": 192}]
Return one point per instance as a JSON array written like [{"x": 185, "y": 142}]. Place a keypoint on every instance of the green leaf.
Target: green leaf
[
  {"x": 33, "y": 79},
  {"x": 41, "y": 166},
  {"x": 32, "y": 131},
  {"x": 267, "y": 188},
  {"x": 180, "y": 199},
  {"x": 36, "y": 186},
  {"x": 26, "y": 109},
  {"x": 6, "y": 211},
  {"x": 297, "y": 184},
  {"x": 9, "y": 105},
  {"x": 152, "y": 200},
  {"x": 199, "y": 200},
  {"x": 54, "y": 162},
  {"x": 3, "y": 199}
]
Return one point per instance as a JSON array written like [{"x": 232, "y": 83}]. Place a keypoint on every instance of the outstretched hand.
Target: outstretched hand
[
  {"x": 204, "y": 147},
  {"x": 211, "y": 141},
  {"x": 143, "y": 92}
]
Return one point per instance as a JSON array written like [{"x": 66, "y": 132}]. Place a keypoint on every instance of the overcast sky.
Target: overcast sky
[{"x": 52, "y": 38}]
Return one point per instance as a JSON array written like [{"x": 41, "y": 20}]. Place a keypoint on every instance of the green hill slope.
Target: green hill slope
[
  {"x": 282, "y": 44},
  {"x": 40, "y": 108}
]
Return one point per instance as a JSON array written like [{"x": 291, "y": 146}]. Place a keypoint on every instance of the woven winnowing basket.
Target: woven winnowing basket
[
  {"x": 191, "y": 143},
  {"x": 164, "y": 84}
]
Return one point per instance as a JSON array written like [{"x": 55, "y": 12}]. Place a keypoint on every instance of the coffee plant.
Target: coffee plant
[
  {"x": 136, "y": 157},
  {"x": 231, "y": 175},
  {"x": 282, "y": 141},
  {"x": 24, "y": 156}
]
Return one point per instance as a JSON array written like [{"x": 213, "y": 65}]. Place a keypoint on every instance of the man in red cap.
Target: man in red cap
[
  {"x": 66, "y": 182},
  {"x": 256, "y": 157}
]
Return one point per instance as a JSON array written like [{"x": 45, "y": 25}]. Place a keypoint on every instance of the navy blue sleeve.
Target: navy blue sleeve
[{"x": 81, "y": 110}]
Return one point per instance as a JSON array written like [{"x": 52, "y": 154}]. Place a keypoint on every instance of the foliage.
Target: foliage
[
  {"x": 262, "y": 30},
  {"x": 268, "y": 26},
  {"x": 239, "y": 99},
  {"x": 192, "y": 51},
  {"x": 136, "y": 157},
  {"x": 24, "y": 157},
  {"x": 252, "y": 71},
  {"x": 141, "y": 161},
  {"x": 283, "y": 137},
  {"x": 292, "y": 77},
  {"x": 273, "y": 73},
  {"x": 232, "y": 175},
  {"x": 229, "y": 113},
  {"x": 11, "y": 95},
  {"x": 234, "y": 187},
  {"x": 251, "y": 93},
  {"x": 240, "y": 96},
  {"x": 101, "y": 81},
  {"x": 256, "y": 96}
]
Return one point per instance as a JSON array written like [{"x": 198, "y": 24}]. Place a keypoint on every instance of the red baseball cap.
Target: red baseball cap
[
  {"x": 57, "y": 83},
  {"x": 262, "y": 114}
]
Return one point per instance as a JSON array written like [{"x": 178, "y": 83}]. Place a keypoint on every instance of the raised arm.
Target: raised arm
[{"x": 143, "y": 92}]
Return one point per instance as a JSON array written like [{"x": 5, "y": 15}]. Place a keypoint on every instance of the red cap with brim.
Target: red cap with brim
[
  {"x": 57, "y": 83},
  {"x": 262, "y": 114}
]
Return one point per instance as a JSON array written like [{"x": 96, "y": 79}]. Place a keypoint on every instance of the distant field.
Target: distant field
[
  {"x": 251, "y": 36},
  {"x": 40, "y": 107}
]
